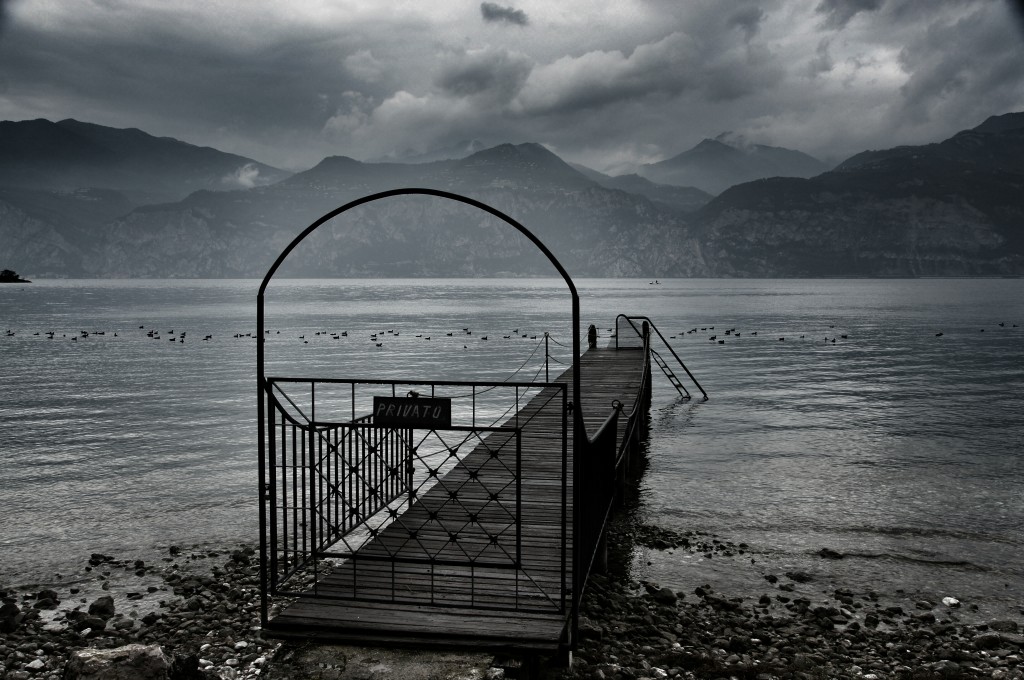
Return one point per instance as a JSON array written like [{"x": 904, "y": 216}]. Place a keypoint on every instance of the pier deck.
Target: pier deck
[{"x": 518, "y": 603}]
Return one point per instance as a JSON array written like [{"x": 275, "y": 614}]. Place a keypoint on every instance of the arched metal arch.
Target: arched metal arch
[{"x": 579, "y": 433}]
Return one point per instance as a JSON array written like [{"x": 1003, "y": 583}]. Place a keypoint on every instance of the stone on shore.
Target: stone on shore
[
  {"x": 10, "y": 615},
  {"x": 343, "y": 662},
  {"x": 131, "y": 662},
  {"x": 102, "y": 607}
]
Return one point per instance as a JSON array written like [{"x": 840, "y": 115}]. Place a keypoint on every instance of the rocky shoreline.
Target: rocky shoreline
[
  {"x": 635, "y": 629},
  {"x": 201, "y": 608}
]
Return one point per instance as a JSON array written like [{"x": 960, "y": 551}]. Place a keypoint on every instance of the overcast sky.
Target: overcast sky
[{"x": 608, "y": 83}]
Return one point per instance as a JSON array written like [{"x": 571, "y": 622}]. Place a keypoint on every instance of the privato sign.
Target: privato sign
[{"x": 430, "y": 413}]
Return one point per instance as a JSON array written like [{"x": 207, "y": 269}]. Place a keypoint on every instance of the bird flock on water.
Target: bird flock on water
[
  {"x": 720, "y": 336},
  {"x": 378, "y": 338}
]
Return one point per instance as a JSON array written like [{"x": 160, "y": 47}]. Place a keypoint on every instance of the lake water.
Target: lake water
[{"x": 899, "y": 447}]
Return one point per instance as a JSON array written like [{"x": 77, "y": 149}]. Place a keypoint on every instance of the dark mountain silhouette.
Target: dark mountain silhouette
[
  {"x": 981, "y": 146},
  {"x": 69, "y": 155},
  {"x": 592, "y": 230},
  {"x": 683, "y": 199},
  {"x": 714, "y": 165},
  {"x": 951, "y": 208}
]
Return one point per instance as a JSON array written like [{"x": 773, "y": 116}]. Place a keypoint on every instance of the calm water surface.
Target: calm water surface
[{"x": 898, "y": 447}]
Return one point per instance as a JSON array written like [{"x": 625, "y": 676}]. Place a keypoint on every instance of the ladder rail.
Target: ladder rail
[
  {"x": 670, "y": 374},
  {"x": 629, "y": 319}
]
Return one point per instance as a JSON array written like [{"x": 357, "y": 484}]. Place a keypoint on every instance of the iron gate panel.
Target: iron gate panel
[{"x": 406, "y": 515}]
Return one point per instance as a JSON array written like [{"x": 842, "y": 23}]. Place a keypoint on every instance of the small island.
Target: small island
[{"x": 9, "y": 276}]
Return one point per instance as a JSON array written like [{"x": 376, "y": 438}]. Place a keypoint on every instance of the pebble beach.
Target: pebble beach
[
  {"x": 201, "y": 607},
  {"x": 638, "y": 629}
]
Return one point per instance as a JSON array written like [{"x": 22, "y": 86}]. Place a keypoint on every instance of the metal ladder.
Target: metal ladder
[
  {"x": 658, "y": 359},
  {"x": 672, "y": 378}
]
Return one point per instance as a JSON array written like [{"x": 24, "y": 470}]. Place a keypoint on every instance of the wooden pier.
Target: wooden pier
[
  {"x": 389, "y": 594},
  {"x": 390, "y": 513}
]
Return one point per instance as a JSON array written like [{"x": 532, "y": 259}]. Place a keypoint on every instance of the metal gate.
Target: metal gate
[
  {"x": 431, "y": 515},
  {"x": 359, "y": 510}
]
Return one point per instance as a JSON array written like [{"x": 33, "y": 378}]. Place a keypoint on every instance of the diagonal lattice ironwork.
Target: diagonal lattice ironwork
[{"x": 400, "y": 511}]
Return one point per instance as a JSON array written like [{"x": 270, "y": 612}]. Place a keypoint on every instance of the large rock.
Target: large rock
[
  {"x": 131, "y": 662},
  {"x": 103, "y": 607},
  {"x": 346, "y": 662},
  {"x": 995, "y": 640},
  {"x": 9, "y": 617}
]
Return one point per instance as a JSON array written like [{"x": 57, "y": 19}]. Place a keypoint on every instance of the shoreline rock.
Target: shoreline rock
[
  {"x": 631, "y": 629},
  {"x": 200, "y": 607}
]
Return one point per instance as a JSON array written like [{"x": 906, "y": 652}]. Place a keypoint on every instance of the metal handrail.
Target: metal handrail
[
  {"x": 633, "y": 417},
  {"x": 595, "y": 446},
  {"x": 629, "y": 319}
]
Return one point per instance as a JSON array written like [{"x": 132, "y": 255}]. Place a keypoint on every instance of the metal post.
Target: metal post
[
  {"x": 547, "y": 377},
  {"x": 410, "y": 468},
  {"x": 261, "y": 435}
]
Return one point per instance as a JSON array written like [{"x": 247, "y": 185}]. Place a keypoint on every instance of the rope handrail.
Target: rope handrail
[
  {"x": 510, "y": 376},
  {"x": 552, "y": 339}
]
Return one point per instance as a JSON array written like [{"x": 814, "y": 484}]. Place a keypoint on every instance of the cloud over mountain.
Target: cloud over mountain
[{"x": 606, "y": 82}]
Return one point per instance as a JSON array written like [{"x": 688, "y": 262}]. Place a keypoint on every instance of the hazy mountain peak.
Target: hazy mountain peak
[
  {"x": 508, "y": 151},
  {"x": 714, "y": 165},
  {"x": 337, "y": 161},
  {"x": 734, "y": 139},
  {"x": 996, "y": 143},
  {"x": 526, "y": 157},
  {"x": 1003, "y": 123},
  {"x": 73, "y": 154},
  {"x": 460, "y": 149}
]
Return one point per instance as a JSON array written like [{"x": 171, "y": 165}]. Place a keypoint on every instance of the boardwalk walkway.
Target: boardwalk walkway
[{"x": 391, "y": 594}]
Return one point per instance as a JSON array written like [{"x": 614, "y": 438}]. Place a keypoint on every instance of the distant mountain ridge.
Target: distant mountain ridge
[
  {"x": 952, "y": 208},
  {"x": 68, "y": 155},
  {"x": 968, "y": 146},
  {"x": 955, "y": 207},
  {"x": 236, "y": 234},
  {"x": 714, "y": 165},
  {"x": 684, "y": 199}
]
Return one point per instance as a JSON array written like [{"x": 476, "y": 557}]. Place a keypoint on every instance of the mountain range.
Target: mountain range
[
  {"x": 82, "y": 200},
  {"x": 715, "y": 165}
]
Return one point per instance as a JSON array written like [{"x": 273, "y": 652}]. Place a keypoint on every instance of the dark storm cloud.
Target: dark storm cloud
[
  {"x": 497, "y": 72},
  {"x": 822, "y": 61},
  {"x": 3, "y": 16},
  {"x": 600, "y": 81},
  {"x": 494, "y": 12},
  {"x": 600, "y": 78},
  {"x": 173, "y": 75},
  {"x": 748, "y": 19},
  {"x": 1017, "y": 7},
  {"x": 839, "y": 12},
  {"x": 961, "y": 66}
]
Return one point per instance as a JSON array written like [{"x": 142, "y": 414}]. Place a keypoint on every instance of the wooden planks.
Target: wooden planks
[{"x": 451, "y": 569}]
